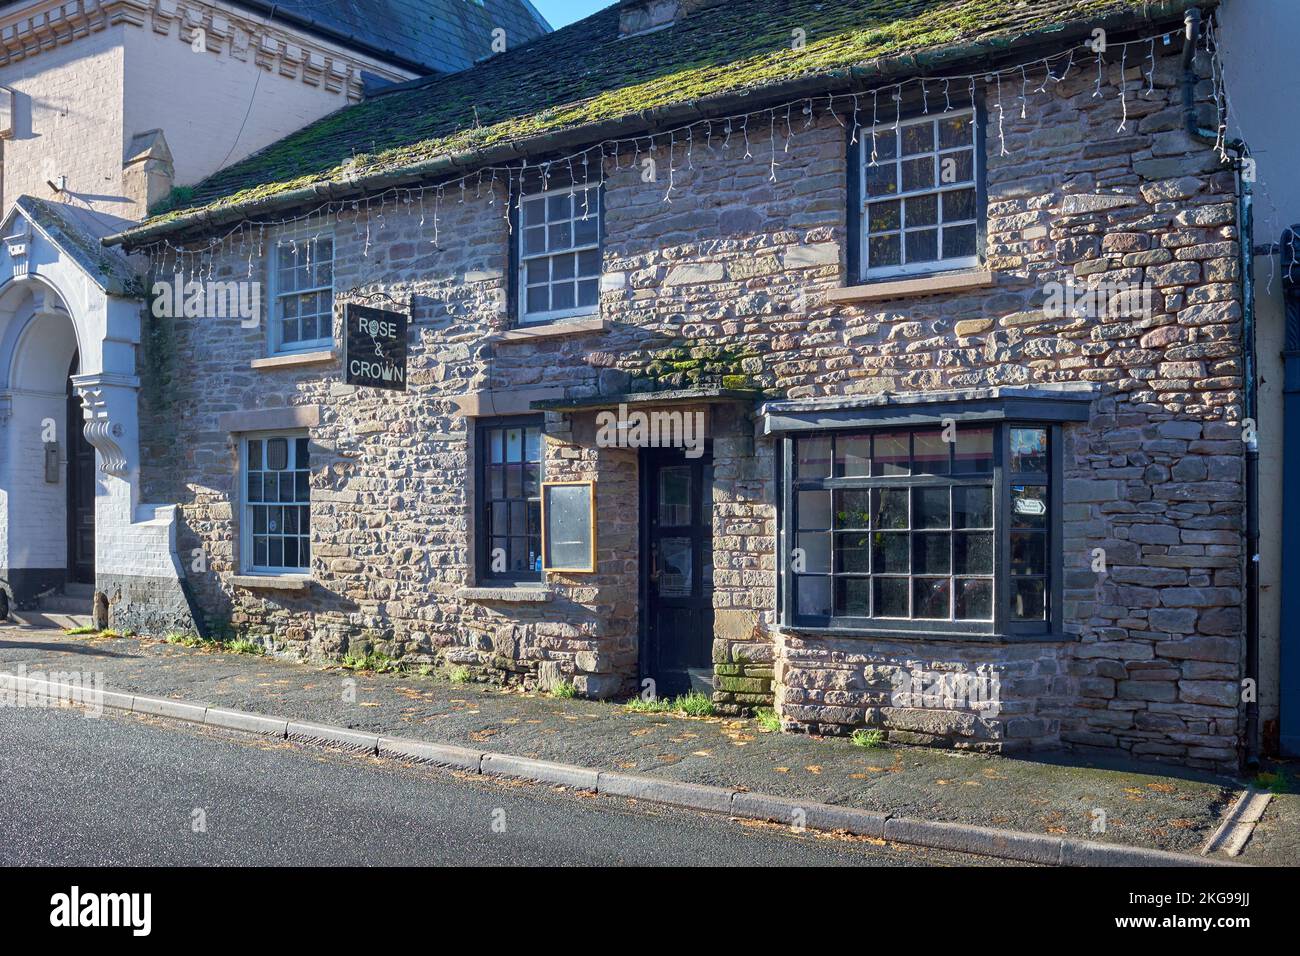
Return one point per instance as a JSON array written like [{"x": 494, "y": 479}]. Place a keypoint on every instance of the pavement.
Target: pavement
[
  {"x": 1138, "y": 805},
  {"x": 139, "y": 791}
]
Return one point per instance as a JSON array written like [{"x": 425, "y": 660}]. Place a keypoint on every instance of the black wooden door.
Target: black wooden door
[
  {"x": 677, "y": 514},
  {"x": 81, "y": 492}
]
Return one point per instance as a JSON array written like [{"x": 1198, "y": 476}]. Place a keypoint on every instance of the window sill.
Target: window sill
[
  {"x": 945, "y": 636},
  {"x": 530, "y": 594},
  {"x": 920, "y": 285},
  {"x": 271, "y": 582},
  {"x": 551, "y": 330},
  {"x": 293, "y": 359}
]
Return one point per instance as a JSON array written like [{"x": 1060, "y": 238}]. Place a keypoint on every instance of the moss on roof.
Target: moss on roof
[
  {"x": 586, "y": 73},
  {"x": 107, "y": 268}
]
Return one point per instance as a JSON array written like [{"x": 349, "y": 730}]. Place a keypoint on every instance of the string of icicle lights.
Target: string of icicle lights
[{"x": 869, "y": 112}]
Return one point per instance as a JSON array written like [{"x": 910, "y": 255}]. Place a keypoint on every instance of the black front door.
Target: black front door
[
  {"x": 81, "y": 491},
  {"x": 677, "y": 520}
]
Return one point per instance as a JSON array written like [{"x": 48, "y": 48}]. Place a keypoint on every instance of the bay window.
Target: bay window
[{"x": 942, "y": 528}]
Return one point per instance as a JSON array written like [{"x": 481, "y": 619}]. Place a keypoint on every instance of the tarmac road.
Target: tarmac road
[{"x": 129, "y": 790}]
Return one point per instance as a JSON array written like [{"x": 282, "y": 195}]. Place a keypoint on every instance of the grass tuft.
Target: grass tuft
[
  {"x": 655, "y": 705},
  {"x": 183, "y": 640},
  {"x": 80, "y": 630},
  {"x": 459, "y": 674},
  {"x": 242, "y": 645},
  {"x": 564, "y": 690},
  {"x": 870, "y": 739},
  {"x": 373, "y": 662},
  {"x": 1276, "y": 783},
  {"x": 694, "y": 704},
  {"x": 767, "y": 719}
]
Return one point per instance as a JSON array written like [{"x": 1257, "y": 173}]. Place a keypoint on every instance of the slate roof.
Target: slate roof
[
  {"x": 78, "y": 233},
  {"x": 584, "y": 82},
  {"x": 424, "y": 36},
  {"x": 439, "y": 35}
]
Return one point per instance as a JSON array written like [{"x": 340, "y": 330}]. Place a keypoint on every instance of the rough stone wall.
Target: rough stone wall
[
  {"x": 1154, "y": 645},
  {"x": 1155, "y": 478},
  {"x": 586, "y": 634},
  {"x": 146, "y": 605},
  {"x": 744, "y": 560}
]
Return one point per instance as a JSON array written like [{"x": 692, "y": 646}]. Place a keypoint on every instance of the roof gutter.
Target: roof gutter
[
  {"x": 1250, "y": 389},
  {"x": 450, "y": 165}
]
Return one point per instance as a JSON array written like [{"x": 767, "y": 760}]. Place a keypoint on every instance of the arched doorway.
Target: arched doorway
[
  {"x": 38, "y": 347},
  {"x": 80, "y": 480}
]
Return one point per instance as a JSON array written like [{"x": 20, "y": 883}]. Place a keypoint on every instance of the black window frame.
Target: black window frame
[
  {"x": 298, "y": 444},
  {"x": 913, "y": 106},
  {"x": 1003, "y": 417},
  {"x": 483, "y": 428}
]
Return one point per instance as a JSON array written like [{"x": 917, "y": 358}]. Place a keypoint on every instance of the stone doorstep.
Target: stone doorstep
[{"x": 955, "y": 837}]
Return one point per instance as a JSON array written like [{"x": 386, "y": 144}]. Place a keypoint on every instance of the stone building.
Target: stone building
[
  {"x": 882, "y": 363},
  {"x": 106, "y": 108}
]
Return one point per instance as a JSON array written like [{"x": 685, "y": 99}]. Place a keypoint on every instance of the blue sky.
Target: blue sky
[{"x": 560, "y": 13}]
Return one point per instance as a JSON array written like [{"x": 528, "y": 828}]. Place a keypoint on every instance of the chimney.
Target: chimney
[
  {"x": 148, "y": 173},
  {"x": 645, "y": 16}
]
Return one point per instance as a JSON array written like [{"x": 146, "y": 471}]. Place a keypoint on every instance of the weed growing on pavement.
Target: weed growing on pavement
[
  {"x": 870, "y": 739},
  {"x": 81, "y": 630},
  {"x": 112, "y": 634},
  {"x": 694, "y": 704},
  {"x": 459, "y": 675},
  {"x": 373, "y": 661},
  {"x": 564, "y": 690},
  {"x": 767, "y": 719},
  {"x": 1273, "y": 782},
  {"x": 183, "y": 640},
  {"x": 242, "y": 645},
  {"x": 655, "y": 705}
]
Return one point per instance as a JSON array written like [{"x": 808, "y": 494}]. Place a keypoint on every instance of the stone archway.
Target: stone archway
[
  {"x": 38, "y": 341},
  {"x": 61, "y": 294}
]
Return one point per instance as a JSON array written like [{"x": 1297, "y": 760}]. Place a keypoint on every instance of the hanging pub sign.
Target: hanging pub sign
[{"x": 374, "y": 347}]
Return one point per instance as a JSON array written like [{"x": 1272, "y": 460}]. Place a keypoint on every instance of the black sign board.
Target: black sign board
[{"x": 374, "y": 347}]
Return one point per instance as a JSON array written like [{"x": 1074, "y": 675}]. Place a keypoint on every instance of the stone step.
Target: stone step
[
  {"x": 67, "y": 604},
  {"x": 46, "y": 620}
]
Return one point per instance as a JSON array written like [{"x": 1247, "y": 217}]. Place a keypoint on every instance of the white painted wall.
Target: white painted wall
[
  {"x": 38, "y": 517},
  {"x": 80, "y": 103},
  {"x": 69, "y": 122},
  {"x": 213, "y": 109},
  {"x": 1259, "y": 39}
]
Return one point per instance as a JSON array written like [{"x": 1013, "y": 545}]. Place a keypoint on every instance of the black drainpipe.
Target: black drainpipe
[
  {"x": 1289, "y": 636},
  {"x": 1245, "y": 243}
]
